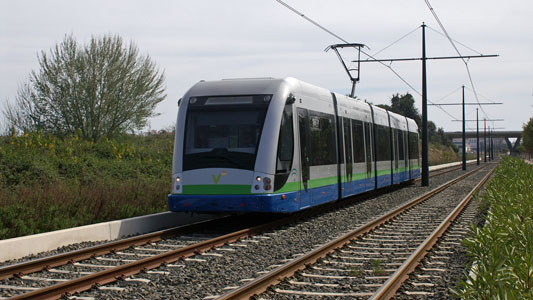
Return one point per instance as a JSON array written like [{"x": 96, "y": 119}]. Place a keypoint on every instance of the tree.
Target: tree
[
  {"x": 101, "y": 89},
  {"x": 432, "y": 132},
  {"x": 527, "y": 136},
  {"x": 443, "y": 139},
  {"x": 405, "y": 105},
  {"x": 385, "y": 106}
]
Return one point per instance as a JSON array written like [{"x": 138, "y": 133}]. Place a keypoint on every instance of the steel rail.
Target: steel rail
[
  {"x": 40, "y": 264},
  {"x": 275, "y": 276},
  {"x": 444, "y": 171},
  {"x": 36, "y": 265},
  {"x": 447, "y": 170},
  {"x": 24, "y": 268},
  {"x": 389, "y": 288},
  {"x": 81, "y": 254},
  {"x": 125, "y": 270}
]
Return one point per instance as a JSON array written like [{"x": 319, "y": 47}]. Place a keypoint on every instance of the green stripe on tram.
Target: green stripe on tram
[
  {"x": 313, "y": 183},
  {"x": 217, "y": 189},
  {"x": 244, "y": 189},
  {"x": 384, "y": 172},
  {"x": 355, "y": 177},
  {"x": 290, "y": 187}
]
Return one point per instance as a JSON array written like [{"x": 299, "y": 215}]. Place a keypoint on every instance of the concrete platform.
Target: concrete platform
[
  {"x": 32, "y": 244},
  {"x": 444, "y": 166}
]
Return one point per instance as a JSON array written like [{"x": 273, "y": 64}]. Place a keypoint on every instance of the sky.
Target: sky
[{"x": 210, "y": 40}]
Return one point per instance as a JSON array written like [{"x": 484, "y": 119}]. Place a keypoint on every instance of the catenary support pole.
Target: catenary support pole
[
  {"x": 492, "y": 145},
  {"x": 484, "y": 140},
  {"x": 477, "y": 136},
  {"x": 489, "y": 145},
  {"x": 464, "y": 133},
  {"x": 425, "y": 166}
]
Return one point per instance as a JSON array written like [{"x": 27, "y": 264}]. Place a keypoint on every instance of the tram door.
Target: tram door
[{"x": 305, "y": 159}]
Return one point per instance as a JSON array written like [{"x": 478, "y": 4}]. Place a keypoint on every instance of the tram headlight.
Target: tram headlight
[
  {"x": 267, "y": 181},
  {"x": 178, "y": 183},
  {"x": 262, "y": 182}
]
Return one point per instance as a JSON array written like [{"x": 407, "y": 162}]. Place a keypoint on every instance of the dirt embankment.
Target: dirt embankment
[{"x": 440, "y": 154}]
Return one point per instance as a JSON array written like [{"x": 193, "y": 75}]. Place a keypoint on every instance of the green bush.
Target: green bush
[
  {"x": 48, "y": 183},
  {"x": 502, "y": 251}
]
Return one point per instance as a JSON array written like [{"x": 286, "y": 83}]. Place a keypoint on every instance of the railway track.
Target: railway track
[
  {"x": 119, "y": 260},
  {"x": 372, "y": 261},
  {"x": 108, "y": 262},
  {"x": 431, "y": 278}
]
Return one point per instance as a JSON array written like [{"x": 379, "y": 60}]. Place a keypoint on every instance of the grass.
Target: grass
[
  {"x": 355, "y": 272},
  {"x": 440, "y": 154},
  {"x": 377, "y": 268},
  {"x": 49, "y": 183},
  {"x": 502, "y": 250}
]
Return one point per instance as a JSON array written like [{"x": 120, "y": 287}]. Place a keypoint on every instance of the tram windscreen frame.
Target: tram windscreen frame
[{"x": 224, "y": 131}]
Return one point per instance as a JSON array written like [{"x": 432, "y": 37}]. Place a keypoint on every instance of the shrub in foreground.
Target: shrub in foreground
[{"x": 502, "y": 251}]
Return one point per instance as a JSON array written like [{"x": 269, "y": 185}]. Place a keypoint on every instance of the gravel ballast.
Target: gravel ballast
[
  {"x": 231, "y": 265},
  {"x": 209, "y": 275}
]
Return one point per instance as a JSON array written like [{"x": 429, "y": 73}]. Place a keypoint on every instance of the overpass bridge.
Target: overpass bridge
[{"x": 494, "y": 134}]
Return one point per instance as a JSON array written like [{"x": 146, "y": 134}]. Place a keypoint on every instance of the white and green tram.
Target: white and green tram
[{"x": 283, "y": 145}]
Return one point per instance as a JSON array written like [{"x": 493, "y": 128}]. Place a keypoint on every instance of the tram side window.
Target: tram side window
[
  {"x": 322, "y": 135},
  {"x": 368, "y": 145},
  {"x": 286, "y": 142},
  {"x": 413, "y": 146},
  {"x": 368, "y": 139},
  {"x": 394, "y": 133},
  {"x": 383, "y": 146},
  {"x": 417, "y": 148},
  {"x": 358, "y": 141},
  {"x": 394, "y": 147},
  {"x": 285, "y": 148},
  {"x": 417, "y": 145},
  {"x": 347, "y": 142},
  {"x": 401, "y": 152}
]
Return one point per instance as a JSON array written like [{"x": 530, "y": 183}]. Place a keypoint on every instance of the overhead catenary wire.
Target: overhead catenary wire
[
  {"x": 448, "y": 95},
  {"x": 396, "y": 41},
  {"x": 470, "y": 113},
  {"x": 345, "y": 41},
  {"x": 455, "y": 41},
  {"x": 458, "y": 52},
  {"x": 367, "y": 54},
  {"x": 308, "y": 19},
  {"x": 482, "y": 96}
]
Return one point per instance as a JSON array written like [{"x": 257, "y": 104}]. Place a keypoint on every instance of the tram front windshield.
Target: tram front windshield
[{"x": 223, "y": 131}]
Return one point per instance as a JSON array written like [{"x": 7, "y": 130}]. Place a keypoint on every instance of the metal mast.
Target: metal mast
[{"x": 425, "y": 163}]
